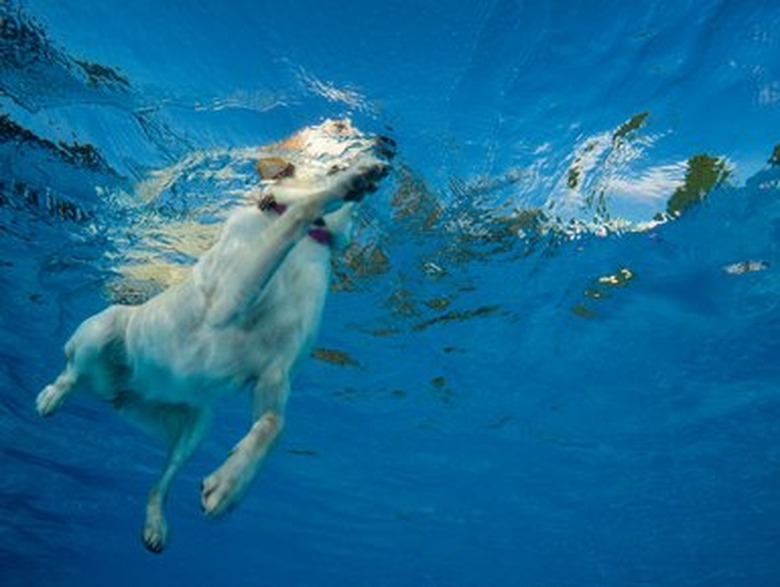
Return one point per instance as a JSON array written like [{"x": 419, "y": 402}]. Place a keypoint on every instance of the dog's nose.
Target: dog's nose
[{"x": 385, "y": 147}]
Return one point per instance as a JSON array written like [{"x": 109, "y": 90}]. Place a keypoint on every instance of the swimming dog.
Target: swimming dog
[{"x": 244, "y": 318}]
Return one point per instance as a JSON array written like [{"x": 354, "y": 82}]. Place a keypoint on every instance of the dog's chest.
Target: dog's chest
[
  {"x": 283, "y": 325},
  {"x": 289, "y": 312},
  {"x": 195, "y": 363}
]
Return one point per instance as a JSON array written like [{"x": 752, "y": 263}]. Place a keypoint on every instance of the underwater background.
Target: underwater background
[{"x": 550, "y": 357}]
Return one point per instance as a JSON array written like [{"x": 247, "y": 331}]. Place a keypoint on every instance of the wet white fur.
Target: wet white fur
[{"x": 246, "y": 315}]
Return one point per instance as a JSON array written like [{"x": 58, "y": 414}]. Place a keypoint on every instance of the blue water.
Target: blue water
[{"x": 588, "y": 401}]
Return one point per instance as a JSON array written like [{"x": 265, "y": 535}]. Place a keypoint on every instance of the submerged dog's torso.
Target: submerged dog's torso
[{"x": 177, "y": 352}]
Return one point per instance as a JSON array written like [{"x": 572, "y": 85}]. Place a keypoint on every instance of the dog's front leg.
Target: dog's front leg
[
  {"x": 224, "y": 488},
  {"x": 236, "y": 282}
]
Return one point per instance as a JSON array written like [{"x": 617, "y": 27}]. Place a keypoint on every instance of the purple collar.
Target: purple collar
[
  {"x": 277, "y": 207},
  {"x": 319, "y": 233},
  {"x": 322, "y": 235}
]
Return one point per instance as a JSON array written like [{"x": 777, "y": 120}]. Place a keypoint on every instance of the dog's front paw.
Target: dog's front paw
[
  {"x": 49, "y": 400},
  {"x": 155, "y": 534},
  {"x": 364, "y": 177},
  {"x": 223, "y": 489}
]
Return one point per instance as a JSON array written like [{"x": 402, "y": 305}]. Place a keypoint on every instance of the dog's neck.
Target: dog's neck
[{"x": 319, "y": 232}]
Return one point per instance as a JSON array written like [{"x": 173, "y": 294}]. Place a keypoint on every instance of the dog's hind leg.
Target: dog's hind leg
[
  {"x": 184, "y": 428},
  {"x": 94, "y": 355},
  {"x": 224, "y": 488}
]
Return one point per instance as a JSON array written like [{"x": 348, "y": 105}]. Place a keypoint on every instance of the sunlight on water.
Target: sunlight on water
[{"x": 549, "y": 352}]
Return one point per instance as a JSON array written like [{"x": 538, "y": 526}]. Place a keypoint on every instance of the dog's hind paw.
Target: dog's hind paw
[
  {"x": 155, "y": 534},
  {"x": 49, "y": 400}
]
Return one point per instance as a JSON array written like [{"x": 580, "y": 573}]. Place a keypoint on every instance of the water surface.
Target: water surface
[{"x": 550, "y": 356}]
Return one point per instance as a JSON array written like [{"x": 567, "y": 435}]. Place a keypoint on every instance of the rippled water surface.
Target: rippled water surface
[{"x": 550, "y": 356}]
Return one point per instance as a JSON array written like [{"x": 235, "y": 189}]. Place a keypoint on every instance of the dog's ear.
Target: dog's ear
[{"x": 273, "y": 168}]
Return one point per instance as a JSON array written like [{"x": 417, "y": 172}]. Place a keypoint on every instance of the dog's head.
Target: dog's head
[
  {"x": 315, "y": 153},
  {"x": 309, "y": 156}
]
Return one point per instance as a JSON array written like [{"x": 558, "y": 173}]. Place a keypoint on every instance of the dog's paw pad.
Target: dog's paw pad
[
  {"x": 155, "y": 535},
  {"x": 217, "y": 495},
  {"x": 49, "y": 400},
  {"x": 365, "y": 178},
  {"x": 266, "y": 202}
]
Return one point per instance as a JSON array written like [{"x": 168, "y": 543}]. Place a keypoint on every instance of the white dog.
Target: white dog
[{"x": 248, "y": 312}]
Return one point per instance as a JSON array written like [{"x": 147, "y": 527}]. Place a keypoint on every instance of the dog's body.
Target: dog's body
[{"x": 244, "y": 318}]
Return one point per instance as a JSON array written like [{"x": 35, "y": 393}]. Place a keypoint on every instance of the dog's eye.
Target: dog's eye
[{"x": 271, "y": 168}]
